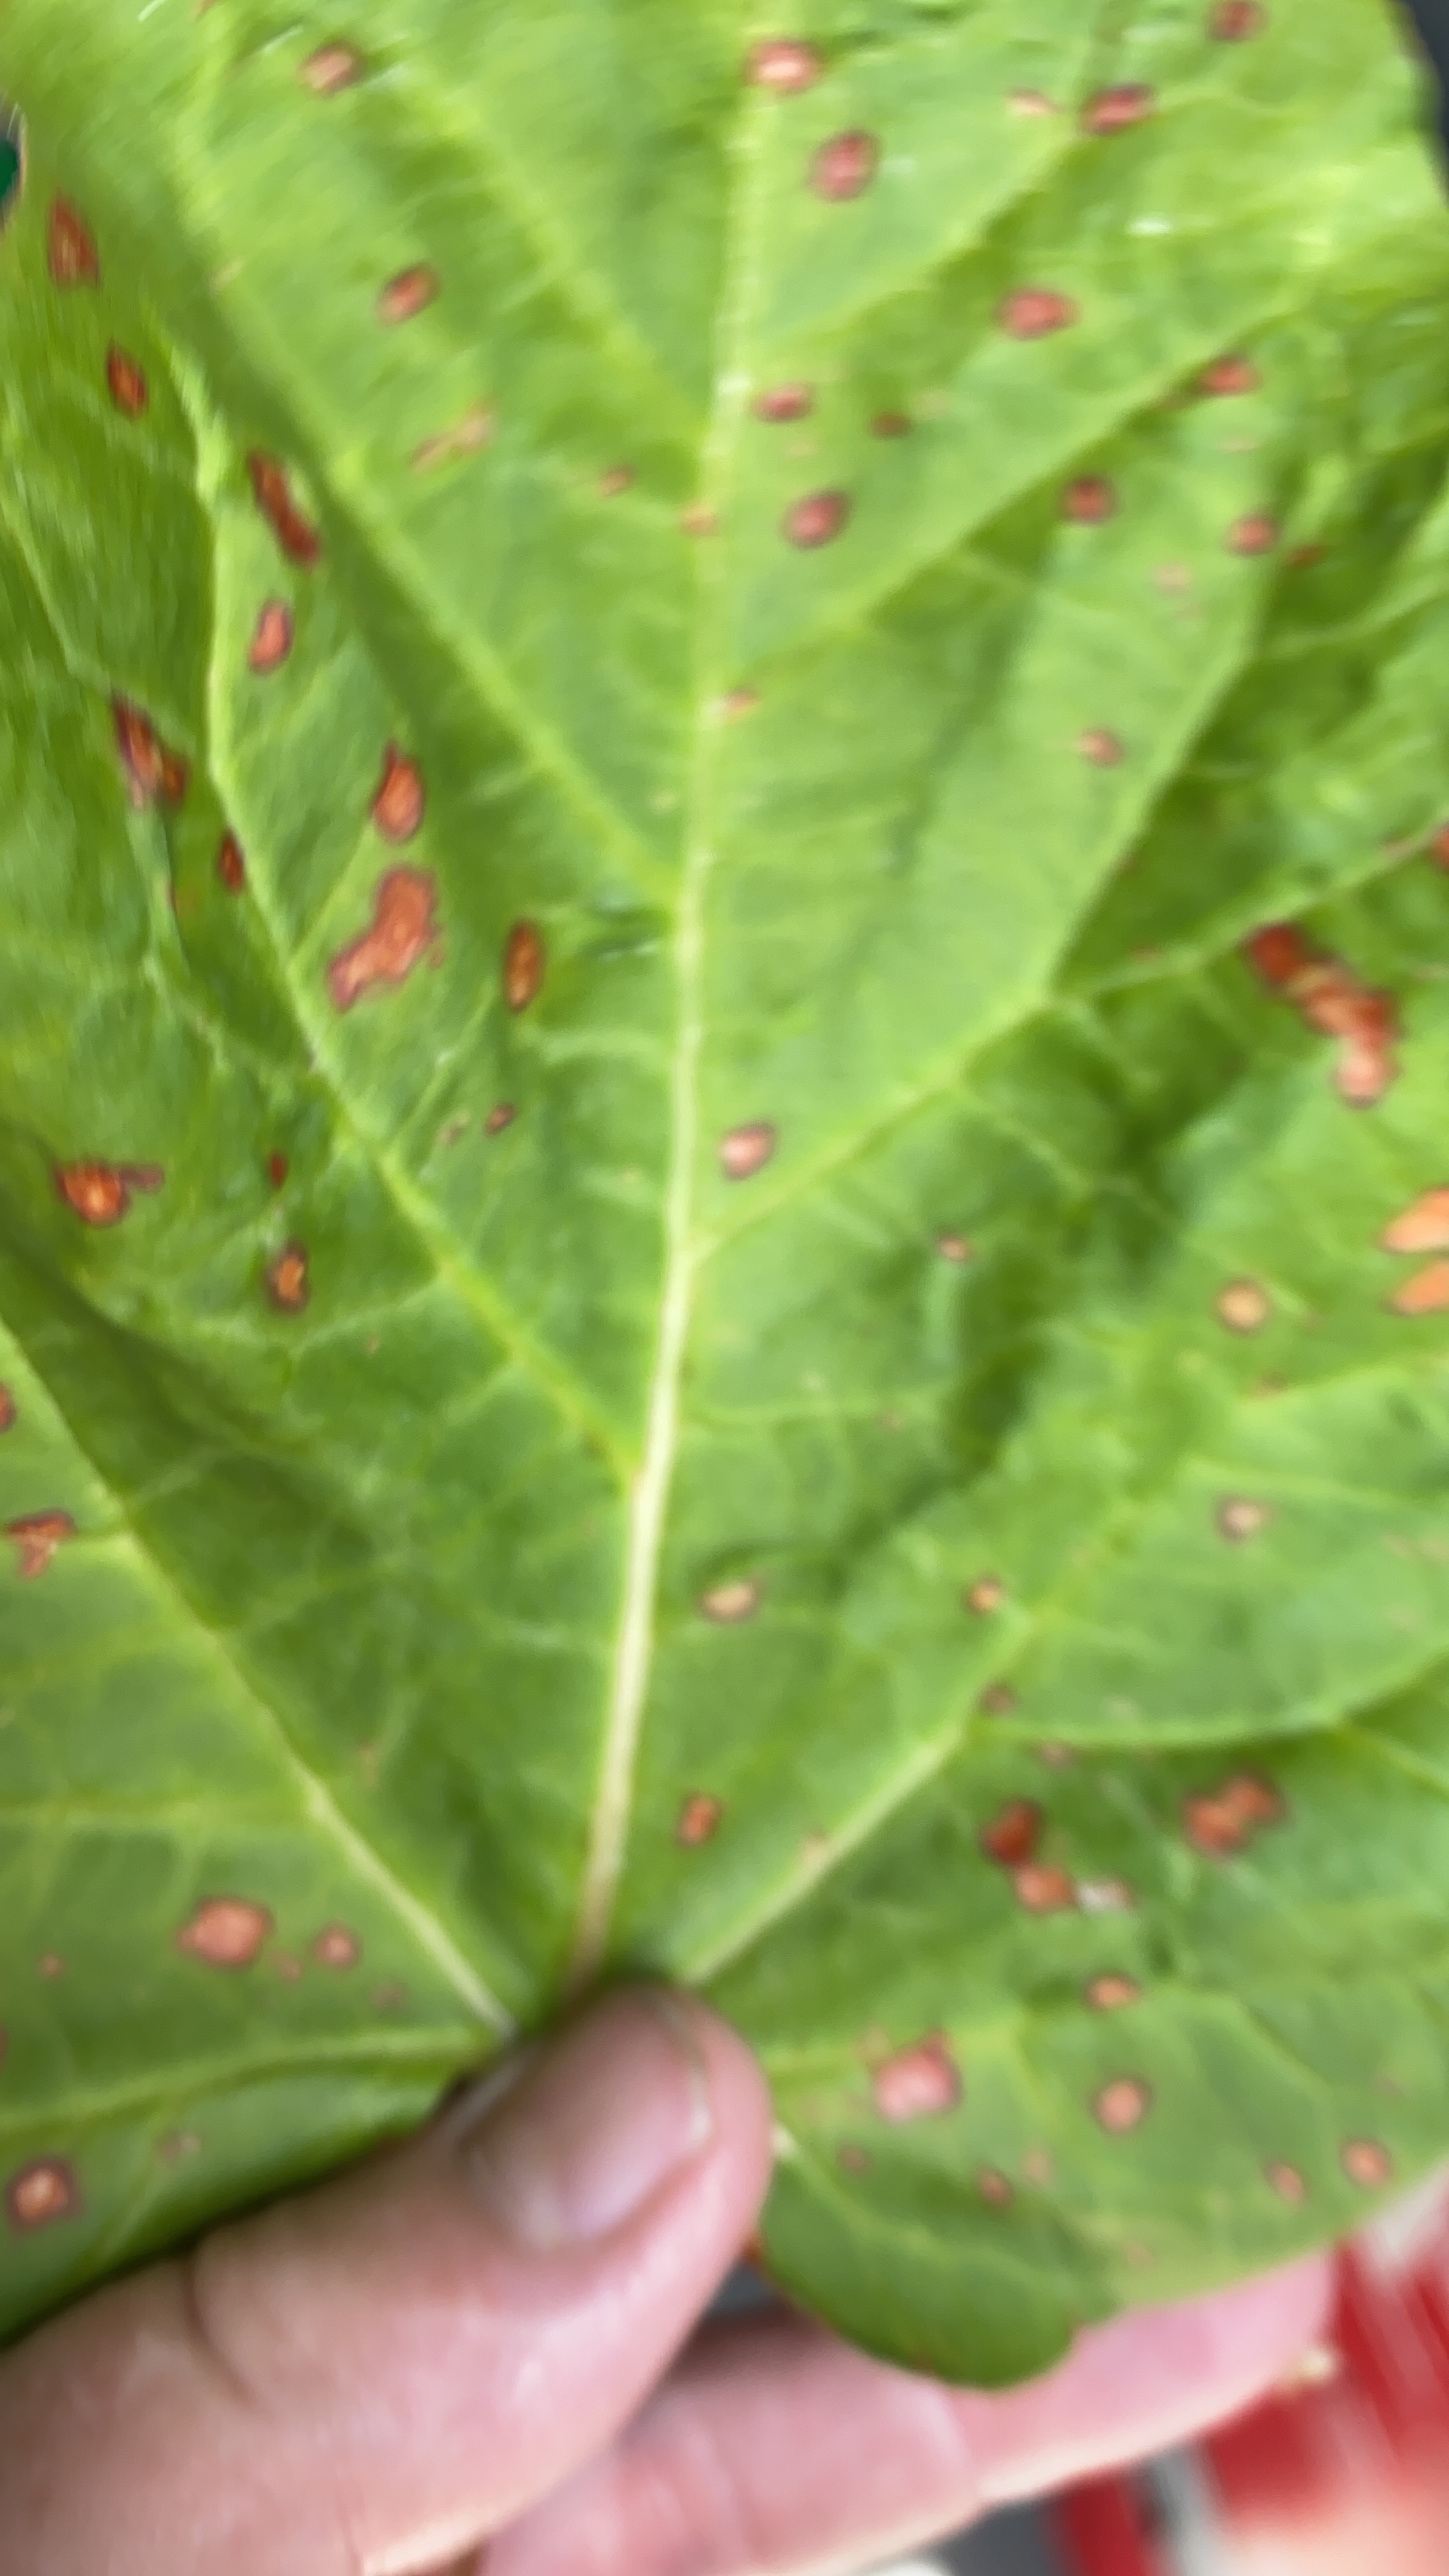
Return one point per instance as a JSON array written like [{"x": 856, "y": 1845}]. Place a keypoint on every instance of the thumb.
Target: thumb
[{"x": 370, "y": 2379}]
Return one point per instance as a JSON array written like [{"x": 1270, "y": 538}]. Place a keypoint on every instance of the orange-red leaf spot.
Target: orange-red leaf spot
[
  {"x": 994, "y": 2188},
  {"x": 1367, "y": 2163},
  {"x": 95, "y": 1192},
  {"x": 1244, "y": 1306},
  {"x": 473, "y": 432},
  {"x": 997, "y": 1700},
  {"x": 1233, "y": 22},
  {"x": 784, "y": 402},
  {"x": 918, "y": 2083},
  {"x": 1423, "y": 1226},
  {"x": 523, "y": 965},
  {"x": 126, "y": 382},
  {"x": 1012, "y": 1836},
  {"x": 402, "y": 931},
  {"x": 7, "y": 1409},
  {"x": 1239, "y": 1518},
  {"x": 699, "y": 1820},
  {"x": 954, "y": 1248},
  {"x": 397, "y": 807},
  {"x": 891, "y": 424},
  {"x": 1229, "y": 376},
  {"x": 294, "y": 533},
  {"x": 152, "y": 772},
  {"x": 1122, "y": 2105},
  {"x": 845, "y": 166},
  {"x": 983, "y": 1596},
  {"x": 41, "y": 2195},
  {"x": 500, "y": 1116},
  {"x": 225, "y": 1932},
  {"x": 1113, "y": 1993},
  {"x": 1113, "y": 110},
  {"x": 70, "y": 250},
  {"x": 700, "y": 519},
  {"x": 1427, "y": 1293},
  {"x": 271, "y": 638},
  {"x": 1287, "y": 2181},
  {"x": 35, "y": 1536},
  {"x": 288, "y": 1285},
  {"x": 1255, "y": 534},
  {"x": 331, "y": 68},
  {"x": 1103, "y": 749},
  {"x": 277, "y": 1170},
  {"x": 1089, "y": 501},
  {"x": 730, "y": 1604},
  {"x": 336, "y": 1946},
  {"x": 817, "y": 520},
  {"x": 231, "y": 866},
  {"x": 746, "y": 1150},
  {"x": 408, "y": 293},
  {"x": 783, "y": 64},
  {"x": 1035, "y": 312},
  {"x": 1040, "y": 1890}
]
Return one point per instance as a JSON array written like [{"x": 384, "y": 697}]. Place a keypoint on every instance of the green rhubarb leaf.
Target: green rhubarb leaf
[{"x": 724, "y": 1022}]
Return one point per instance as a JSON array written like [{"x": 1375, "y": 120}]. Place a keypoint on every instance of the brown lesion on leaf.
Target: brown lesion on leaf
[
  {"x": 784, "y": 65},
  {"x": 746, "y": 1150},
  {"x": 336, "y": 1946},
  {"x": 330, "y": 68},
  {"x": 1113, "y": 110},
  {"x": 100, "y": 1193},
  {"x": 231, "y": 866},
  {"x": 1244, "y": 1306},
  {"x": 845, "y": 166},
  {"x": 1089, "y": 501},
  {"x": 468, "y": 437},
  {"x": 984, "y": 1596},
  {"x": 1256, "y": 534},
  {"x": 35, "y": 1536},
  {"x": 402, "y": 932},
  {"x": 42, "y": 2194},
  {"x": 408, "y": 293},
  {"x": 400, "y": 800},
  {"x": 288, "y": 1285},
  {"x": 154, "y": 774},
  {"x": 1331, "y": 999},
  {"x": 1221, "y": 1823},
  {"x": 8, "y": 1410},
  {"x": 1103, "y": 749},
  {"x": 294, "y": 532},
  {"x": 226, "y": 1932},
  {"x": 699, "y": 1820},
  {"x": 817, "y": 520},
  {"x": 1040, "y": 1889},
  {"x": 1427, "y": 1293},
  {"x": 1035, "y": 312},
  {"x": 1240, "y": 1518},
  {"x": 1287, "y": 2182},
  {"x": 71, "y": 254},
  {"x": 1367, "y": 2163},
  {"x": 1112, "y": 1992},
  {"x": 126, "y": 383},
  {"x": 1122, "y": 2106},
  {"x": 1013, "y": 1834},
  {"x": 784, "y": 402},
  {"x": 1235, "y": 22},
  {"x": 730, "y": 1604},
  {"x": 501, "y": 1115},
  {"x": 920, "y": 2082},
  {"x": 1423, "y": 1226},
  {"x": 271, "y": 639},
  {"x": 523, "y": 965}
]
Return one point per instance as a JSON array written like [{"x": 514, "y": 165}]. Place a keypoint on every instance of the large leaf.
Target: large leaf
[{"x": 672, "y": 1299}]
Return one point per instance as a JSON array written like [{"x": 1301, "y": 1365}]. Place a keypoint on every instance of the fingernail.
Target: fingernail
[{"x": 595, "y": 2125}]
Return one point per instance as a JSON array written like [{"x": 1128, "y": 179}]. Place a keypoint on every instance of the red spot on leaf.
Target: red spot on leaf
[
  {"x": 473, "y": 432},
  {"x": 1367, "y": 2163},
  {"x": 1013, "y": 1833},
  {"x": 1112, "y": 1993},
  {"x": 746, "y": 1150},
  {"x": 985, "y": 1595},
  {"x": 1330, "y": 998},
  {"x": 1122, "y": 2105},
  {"x": 701, "y": 519},
  {"x": 1427, "y": 1293},
  {"x": 231, "y": 866},
  {"x": 126, "y": 382},
  {"x": 1240, "y": 1518},
  {"x": 699, "y": 1820},
  {"x": 994, "y": 2188},
  {"x": 225, "y": 1932},
  {"x": 70, "y": 251},
  {"x": 408, "y": 293},
  {"x": 7, "y": 1409},
  {"x": 287, "y": 1283},
  {"x": 397, "y": 807},
  {"x": 295, "y": 534},
  {"x": 35, "y": 1537},
  {"x": 953, "y": 1248},
  {"x": 783, "y": 65},
  {"x": 845, "y": 166},
  {"x": 1112, "y": 110},
  {"x": 153, "y": 773},
  {"x": 1223, "y": 1822},
  {"x": 1288, "y": 2183},
  {"x": 523, "y": 965},
  {"x": 891, "y": 424},
  {"x": 336, "y": 1947},
  {"x": 1423, "y": 1226},
  {"x": 1089, "y": 501},
  {"x": 997, "y": 1700},
  {"x": 1233, "y": 22},
  {"x": 1256, "y": 534},
  {"x": 1244, "y": 1306},
  {"x": 817, "y": 520},
  {"x": 402, "y": 930},
  {"x": 271, "y": 638},
  {"x": 1228, "y": 376},
  {"x": 1034, "y": 312},
  {"x": 499, "y": 1117},
  {"x": 96, "y": 1192},
  {"x": 784, "y": 402},
  {"x": 730, "y": 1604},
  {"x": 1043, "y": 1891},
  {"x": 41, "y": 2195},
  {"x": 277, "y": 1169},
  {"x": 1104, "y": 750},
  {"x": 331, "y": 68},
  {"x": 918, "y": 2083}
]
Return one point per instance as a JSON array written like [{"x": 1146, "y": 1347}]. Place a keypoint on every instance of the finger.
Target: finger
[
  {"x": 367, "y": 2380},
  {"x": 774, "y": 2447}
]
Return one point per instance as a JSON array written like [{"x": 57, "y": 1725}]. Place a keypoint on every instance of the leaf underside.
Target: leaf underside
[{"x": 673, "y": 1296}]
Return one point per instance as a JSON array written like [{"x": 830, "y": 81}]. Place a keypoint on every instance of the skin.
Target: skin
[{"x": 481, "y": 2352}]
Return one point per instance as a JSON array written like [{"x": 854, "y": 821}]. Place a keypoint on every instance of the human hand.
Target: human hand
[{"x": 461, "y": 2355}]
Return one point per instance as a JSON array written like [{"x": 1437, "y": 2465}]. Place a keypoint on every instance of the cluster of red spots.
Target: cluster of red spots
[
  {"x": 1221, "y": 1823},
  {"x": 70, "y": 251},
  {"x": 1229, "y": 375},
  {"x": 7, "y": 1409},
  {"x": 1244, "y": 1306},
  {"x": 1010, "y": 1841},
  {"x": 1422, "y": 1227},
  {"x": 153, "y": 773},
  {"x": 286, "y": 1277},
  {"x": 729, "y": 1605},
  {"x": 271, "y": 640},
  {"x": 983, "y": 1596},
  {"x": 100, "y": 1193},
  {"x": 402, "y": 931},
  {"x": 336, "y": 1947},
  {"x": 917, "y": 2083},
  {"x": 470, "y": 435},
  {"x": 1089, "y": 500},
  {"x": 746, "y": 1150},
  {"x": 1367, "y": 2163},
  {"x": 126, "y": 383},
  {"x": 1331, "y": 999},
  {"x": 784, "y": 402},
  {"x": 1102, "y": 749},
  {"x": 1113, "y": 110},
  {"x": 1288, "y": 2183},
  {"x": 784, "y": 65},
  {"x": 699, "y": 1820},
  {"x": 1034, "y": 312},
  {"x": 225, "y": 1932},
  {"x": 329, "y": 69},
  {"x": 817, "y": 520},
  {"x": 1233, "y": 22},
  {"x": 294, "y": 533},
  {"x": 41, "y": 2194},
  {"x": 408, "y": 293},
  {"x": 523, "y": 965},
  {"x": 1122, "y": 2105},
  {"x": 35, "y": 1536},
  {"x": 398, "y": 805},
  {"x": 1112, "y": 1992},
  {"x": 1256, "y": 534},
  {"x": 845, "y": 166}
]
